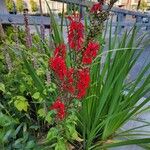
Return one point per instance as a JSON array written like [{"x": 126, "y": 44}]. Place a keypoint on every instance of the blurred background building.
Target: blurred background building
[
  {"x": 133, "y": 4},
  {"x": 34, "y": 5}
]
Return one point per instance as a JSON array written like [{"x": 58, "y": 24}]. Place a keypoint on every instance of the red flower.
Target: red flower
[
  {"x": 60, "y": 51},
  {"x": 58, "y": 65},
  {"x": 59, "y": 107},
  {"x": 83, "y": 81},
  {"x": 68, "y": 83},
  {"x": 75, "y": 35},
  {"x": 96, "y": 7},
  {"x": 90, "y": 53},
  {"x": 75, "y": 16}
]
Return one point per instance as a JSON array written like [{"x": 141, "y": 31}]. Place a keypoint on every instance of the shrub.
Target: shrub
[
  {"x": 34, "y": 6},
  {"x": 10, "y": 5},
  {"x": 20, "y": 5}
]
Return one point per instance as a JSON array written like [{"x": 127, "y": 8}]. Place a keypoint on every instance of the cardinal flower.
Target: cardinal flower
[
  {"x": 59, "y": 107},
  {"x": 68, "y": 84},
  {"x": 75, "y": 35},
  {"x": 83, "y": 81},
  {"x": 60, "y": 51},
  {"x": 96, "y": 7},
  {"x": 58, "y": 65},
  {"x": 90, "y": 52}
]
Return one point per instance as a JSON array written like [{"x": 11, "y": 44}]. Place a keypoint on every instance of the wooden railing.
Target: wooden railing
[
  {"x": 19, "y": 20},
  {"x": 120, "y": 15}
]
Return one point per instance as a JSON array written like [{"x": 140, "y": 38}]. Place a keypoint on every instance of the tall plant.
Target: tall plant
[{"x": 110, "y": 101}]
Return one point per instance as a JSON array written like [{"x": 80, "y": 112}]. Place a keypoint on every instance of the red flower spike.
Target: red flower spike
[
  {"x": 74, "y": 17},
  {"x": 75, "y": 35},
  {"x": 59, "y": 67},
  {"x": 60, "y": 108},
  {"x": 60, "y": 51},
  {"x": 68, "y": 83},
  {"x": 96, "y": 7},
  {"x": 83, "y": 81},
  {"x": 81, "y": 94},
  {"x": 90, "y": 53}
]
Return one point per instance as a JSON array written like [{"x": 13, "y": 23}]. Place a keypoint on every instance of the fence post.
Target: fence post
[
  {"x": 139, "y": 20},
  {"x": 120, "y": 19},
  {"x": 148, "y": 26},
  {"x": 82, "y": 10}
]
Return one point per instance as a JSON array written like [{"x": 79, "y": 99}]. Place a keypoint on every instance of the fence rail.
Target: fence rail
[
  {"x": 85, "y": 3},
  {"x": 19, "y": 19},
  {"x": 121, "y": 15}
]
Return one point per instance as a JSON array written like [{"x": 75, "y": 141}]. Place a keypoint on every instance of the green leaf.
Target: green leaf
[
  {"x": 52, "y": 134},
  {"x": 38, "y": 82},
  {"x": 126, "y": 142},
  {"x": 2, "y": 87},
  {"x": 18, "y": 143},
  {"x": 21, "y": 103},
  {"x": 36, "y": 95},
  {"x": 35, "y": 127},
  {"x": 2, "y": 134},
  {"x": 8, "y": 134},
  {"x": 51, "y": 89},
  {"x": 48, "y": 117},
  {"x": 72, "y": 131},
  {"x": 57, "y": 35},
  {"x": 42, "y": 113},
  {"x": 6, "y": 120},
  {"x": 60, "y": 145},
  {"x": 22, "y": 88},
  {"x": 40, "y": 72},
  {"x": 30, "y": 144}
]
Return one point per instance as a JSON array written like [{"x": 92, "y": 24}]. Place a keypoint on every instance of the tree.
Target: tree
[
  {"x": 143, "y": 5},
  {"x": 10, "y": 5},
  {"x": 20, "y": 5},
  {"x": 34, "y": 6}
]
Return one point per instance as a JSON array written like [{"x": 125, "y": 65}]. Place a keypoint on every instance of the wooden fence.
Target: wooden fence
[{"x": 121, "y": 16}]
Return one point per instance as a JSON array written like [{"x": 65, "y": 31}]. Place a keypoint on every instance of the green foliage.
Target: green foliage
[
  {"x": 62, "y": 132},
  {"x": 20, "y": 103},
  {"x": 107, "y": 108},
  {"x": 2, "y": 87},
  {"x": 42, "y": 113},
  {"x": 20, "y": 5},
  {"x": 143, "y": 5},
  {"x": 19, "y": 96},
  {"x": 34, "y": 6},
  {"x": 13, "y": 135},
  {"x": 10, "y": 5},
  {"x": 60, "y": 145}
]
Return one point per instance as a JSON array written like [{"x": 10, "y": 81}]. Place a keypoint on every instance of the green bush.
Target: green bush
[
  {"x": 34, "y": 6},
  {"x": 10, "y": 5},
  {"x": 20, "y": 5}
]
